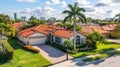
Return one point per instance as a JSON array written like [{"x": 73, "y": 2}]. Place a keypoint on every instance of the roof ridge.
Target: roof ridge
[{"x": 36, "y": 28}]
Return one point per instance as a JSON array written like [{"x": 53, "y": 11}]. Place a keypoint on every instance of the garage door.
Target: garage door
[{"x": 37, "y": 41}]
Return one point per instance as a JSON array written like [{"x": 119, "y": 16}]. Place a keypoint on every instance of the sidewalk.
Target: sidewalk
[
  {"x": 77, "y": 62},
  {"x": 114, "y": 40}
]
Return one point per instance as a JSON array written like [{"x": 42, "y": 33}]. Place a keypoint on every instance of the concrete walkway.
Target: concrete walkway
[
  {"x": 79, "y": 63},
  {"x": 52, "y": 54},
  {"x": 114, "y": 40}
]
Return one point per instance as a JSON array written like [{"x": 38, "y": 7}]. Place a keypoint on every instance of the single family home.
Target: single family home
[{"x": 40, "y": 34}]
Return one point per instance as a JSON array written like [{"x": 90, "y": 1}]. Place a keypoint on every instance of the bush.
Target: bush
[
  {"x": 94, "y": 38},
  {"x": 47, "y": 42},
  {"x": 115, "y": 33},
  {"x": 8, "y": 55},
  {"x": 64, "y": 49},
  {"x": 30, "y": 48}
]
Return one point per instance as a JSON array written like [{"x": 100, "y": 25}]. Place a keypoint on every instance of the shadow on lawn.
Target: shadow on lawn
[
  {"x": 14, "y": 43},
  {"x": 108, "y": 43},
  {"x": 105, "y": 50}
]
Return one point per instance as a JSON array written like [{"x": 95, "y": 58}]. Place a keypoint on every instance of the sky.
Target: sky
[{"x": 97, "y": 9}]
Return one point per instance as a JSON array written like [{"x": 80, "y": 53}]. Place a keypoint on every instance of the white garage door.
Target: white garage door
[{"x": 37, "y": 41}]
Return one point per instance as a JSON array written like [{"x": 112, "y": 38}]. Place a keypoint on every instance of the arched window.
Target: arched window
[{"x": 77, "y": 39}]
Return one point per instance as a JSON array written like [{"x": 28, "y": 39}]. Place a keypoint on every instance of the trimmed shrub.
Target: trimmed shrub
[
  {"x": 8, "y": 55},
  {"x": 63, "y": 48},
  {"x": 115, "y": 33},
  {"x": 30, "y": 48}
]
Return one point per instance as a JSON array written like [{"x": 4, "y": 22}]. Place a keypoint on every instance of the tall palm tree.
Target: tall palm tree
[
  {"x": 74, "y": 14},
  {"x": 117, "y": 18}
]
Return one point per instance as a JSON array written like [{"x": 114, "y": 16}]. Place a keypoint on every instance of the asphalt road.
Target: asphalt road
[{"x": 113, "y": 61}]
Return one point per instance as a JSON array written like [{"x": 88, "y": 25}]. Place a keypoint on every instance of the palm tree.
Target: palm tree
[
  {"x": 117, "y": 18},
  {"x": 33, "y": 21},
  {"x": 74, "y": 14}
]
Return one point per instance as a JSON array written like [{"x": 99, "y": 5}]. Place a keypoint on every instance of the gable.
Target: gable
[
  {"x": 81, "y": 36},
  {"x": 37, "y": 34}
]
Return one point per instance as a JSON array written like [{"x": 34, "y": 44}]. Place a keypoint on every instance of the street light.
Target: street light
[{"x": 66, "y": 52}]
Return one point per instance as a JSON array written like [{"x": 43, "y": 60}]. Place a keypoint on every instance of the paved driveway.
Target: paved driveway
[{"x": 52, "y": 54}]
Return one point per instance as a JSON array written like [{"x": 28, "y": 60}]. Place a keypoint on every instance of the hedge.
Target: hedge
[
  {"x": 30, "y": 48},
  {"x": 8, "y": 46},
  {"x": 9, "y": 52}
]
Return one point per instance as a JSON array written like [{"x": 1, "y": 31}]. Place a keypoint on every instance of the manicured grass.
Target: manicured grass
[
  {"x": 101, "y": 56},
  {"x": 95, "y": 58},
  {"x": 23, "y": 58},
  {"x": 102, "y": 47}
]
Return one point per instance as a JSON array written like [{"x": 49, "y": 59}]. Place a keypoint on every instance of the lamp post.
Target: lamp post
[{"x": 66, "y": 52}]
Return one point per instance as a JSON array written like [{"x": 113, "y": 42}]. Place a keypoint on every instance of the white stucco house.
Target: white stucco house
[{"x": 40, "y": 34}]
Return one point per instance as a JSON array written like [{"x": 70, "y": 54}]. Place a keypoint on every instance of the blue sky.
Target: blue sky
[{"x": 53, "y": 8}]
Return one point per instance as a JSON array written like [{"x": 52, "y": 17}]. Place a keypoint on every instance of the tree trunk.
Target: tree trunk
[{"x": 74, "y": 34}]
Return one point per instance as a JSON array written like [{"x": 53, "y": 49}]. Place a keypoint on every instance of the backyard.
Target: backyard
[
  {"x": 23, "y": 58},
  {"x": 101, "y": 48}
]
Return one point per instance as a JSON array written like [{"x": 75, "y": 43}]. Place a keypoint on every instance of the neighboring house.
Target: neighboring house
[
  {"x": 42, "y": 33},
  {"x": 105, "y": 30},
  {"x": 18, "y": 25}
]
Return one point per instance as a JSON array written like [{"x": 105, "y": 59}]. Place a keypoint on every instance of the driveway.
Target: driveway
[{"x": 52, "y": 54}]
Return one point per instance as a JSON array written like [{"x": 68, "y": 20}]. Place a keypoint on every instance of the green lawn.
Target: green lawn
[
  {"x": 101, "y": 49},
  {"x": 23, "y": 58},
  {"x": 102, "y": 56}
]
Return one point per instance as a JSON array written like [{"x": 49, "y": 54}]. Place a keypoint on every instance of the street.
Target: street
[{"x": 113, "y": 61}]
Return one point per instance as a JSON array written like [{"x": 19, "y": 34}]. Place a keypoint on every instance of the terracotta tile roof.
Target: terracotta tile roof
[
  {"x": 63, "y": 33},
  {"x": 27, "y": 32},
  {"x": 101, "y": 31},
  {"x": 87, "y": 29},
  {"x": 108, "y": 28},
  {"x": 45, "y": 29},
  {"x": 18, "y": 25},
  {"x": 90, "y": 29}
]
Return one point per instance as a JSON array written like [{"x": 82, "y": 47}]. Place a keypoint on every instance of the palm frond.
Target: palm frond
[
  {"x": 81, "y": 19},
  {"x": 80, "y": 15},
  {"x": 75, "y": 7},
  {"x": 70, "y": 7},
  {"x": 67, "y": 18},
  {"x": 67, "y": 12},
  {"x": 80, "y": 10}
]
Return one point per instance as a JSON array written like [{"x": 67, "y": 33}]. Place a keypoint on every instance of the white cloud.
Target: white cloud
[
  {"x": 64, "y": 4},
  {"x": 101, "y": 4},
  {"x": 26, "y": 0},
  {"x": 41, "y": 11},
  {"x": 83, "y": 2},
  {"x": 116, "y": 1},
  {"x": 101, "y": 13},
  {"x": 52, "y": 2},
  {"x": 27, "y": 10},
  {"x": 106, "y": 3}
]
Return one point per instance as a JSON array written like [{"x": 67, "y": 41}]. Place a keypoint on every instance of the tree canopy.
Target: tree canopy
[{"x": 94, "y": 38}]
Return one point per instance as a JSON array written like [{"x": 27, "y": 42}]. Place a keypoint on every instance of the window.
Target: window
[
  {"x": 77, "y": 39},
  {"x": 57, "y": 39}
]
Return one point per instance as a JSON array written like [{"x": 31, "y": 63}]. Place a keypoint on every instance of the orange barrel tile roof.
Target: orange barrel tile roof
[
  {"x": 18, "y": 25},
  {"x": 63, "y": 33}
]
